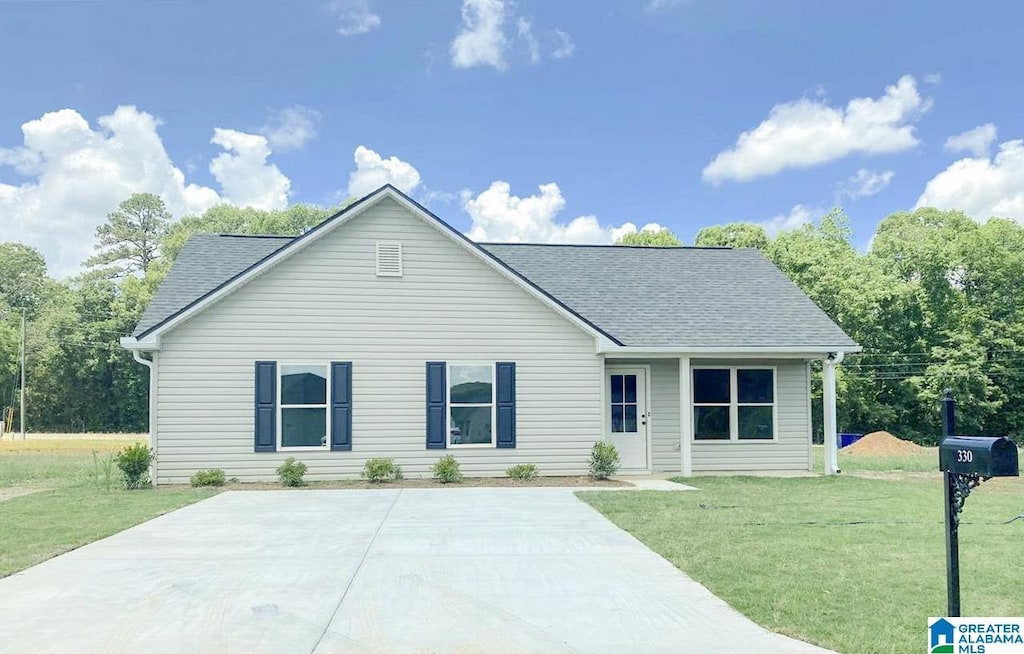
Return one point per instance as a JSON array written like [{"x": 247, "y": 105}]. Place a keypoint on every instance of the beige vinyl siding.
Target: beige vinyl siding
[
  {"x": 326, "y": 304},
  {"x": 663, "y": 403},
  {"x": 790, "y": 450}
]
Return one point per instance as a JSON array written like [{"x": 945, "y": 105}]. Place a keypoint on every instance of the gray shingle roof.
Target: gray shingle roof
[
  {"x": 645, "y": 297},
  {"x": 206, "y": 262},
  {"x": 677, "y": 297}
]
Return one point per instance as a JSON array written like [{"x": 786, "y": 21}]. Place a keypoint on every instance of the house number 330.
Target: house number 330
[{"x": 964, "y": 456}]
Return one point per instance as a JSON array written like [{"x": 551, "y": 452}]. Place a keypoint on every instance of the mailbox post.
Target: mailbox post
[
  {"x": 965, "y": 463},
  {"x": 952, "y": 519}
]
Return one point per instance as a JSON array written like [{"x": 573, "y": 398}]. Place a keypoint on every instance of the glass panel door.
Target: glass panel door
[{"x": 624, "y": 404}]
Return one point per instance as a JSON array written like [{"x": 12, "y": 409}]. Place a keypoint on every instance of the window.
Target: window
[
  {"x": 733, "y": 404},
  {"x": 623, "y": 403},
  {"x": 303, "y": 406},
  {"x": 470, "y": 404}
]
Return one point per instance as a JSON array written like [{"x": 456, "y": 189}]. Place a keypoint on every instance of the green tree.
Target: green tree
[
  {"x": 226, "y": 219},
  {"x": 736, "y": 235},
  {"x": 862, "y": 299},
  {"x": 130, "y": 239},
  {"x": 22, "y": 275},
  {"x": 651, "y": 238}
]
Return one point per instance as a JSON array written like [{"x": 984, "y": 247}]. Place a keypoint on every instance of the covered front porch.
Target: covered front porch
[{"x": 716, "y": 411}]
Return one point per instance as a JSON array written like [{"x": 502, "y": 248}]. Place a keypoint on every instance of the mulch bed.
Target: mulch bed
[{"x": 469, "y": 482}]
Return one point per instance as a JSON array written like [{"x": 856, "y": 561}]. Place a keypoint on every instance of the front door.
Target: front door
[{"x": 627, "y": 415}]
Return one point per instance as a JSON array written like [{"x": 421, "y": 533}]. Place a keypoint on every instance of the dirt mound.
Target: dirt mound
[{"x": 882, "y": 443}]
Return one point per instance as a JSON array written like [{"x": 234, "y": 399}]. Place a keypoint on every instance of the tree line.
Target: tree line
[{"x": 933, "y": 300}]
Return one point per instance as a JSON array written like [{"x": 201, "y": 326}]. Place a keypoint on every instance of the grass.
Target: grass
[
  {"x": 69, "y": 506},
  {"x": 927, "y": 461},
  {"x": 851, "y": 563}
]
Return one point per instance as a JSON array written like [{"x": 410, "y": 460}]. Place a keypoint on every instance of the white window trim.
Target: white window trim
[
  {"x": 734, "y": 405},
  {"x": 448, "y": 405},
  {"x": 326, "y": 407}
]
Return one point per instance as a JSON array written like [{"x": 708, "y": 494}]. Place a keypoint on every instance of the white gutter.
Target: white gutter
[
  {"x": 152, "y": 406},
  {"x": 802, "y": 352},
  {"x": 148, "y": 344}
]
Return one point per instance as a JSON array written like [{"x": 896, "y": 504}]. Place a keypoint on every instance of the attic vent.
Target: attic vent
[{"x": 389, "y": 259}]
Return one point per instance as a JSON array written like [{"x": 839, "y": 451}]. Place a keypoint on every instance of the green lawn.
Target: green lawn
[
  {"x": 73, "y": 507},
  {"x": 927, "y": 461},
  {"x": 850, "y": 563}
]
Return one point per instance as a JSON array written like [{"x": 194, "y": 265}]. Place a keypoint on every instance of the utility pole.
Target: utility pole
[{"x": 22, "y": 413}]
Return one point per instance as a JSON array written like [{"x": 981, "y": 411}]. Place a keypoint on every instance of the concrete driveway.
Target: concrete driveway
[{"x": 415, "y": 570}]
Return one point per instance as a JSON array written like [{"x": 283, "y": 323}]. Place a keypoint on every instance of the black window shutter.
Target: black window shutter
[
  {"x": 266, "y": 406},
  {"x": 436, "y": 392},
  {"x": 506, "y": 399},
  {"x": 341, "y": 406}
]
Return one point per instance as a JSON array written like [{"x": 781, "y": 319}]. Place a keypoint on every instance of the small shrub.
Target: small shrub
[
  {"x": 291, "y": 471},
  {"x": 103, "y": 470},
  {"x": 134, "y": 462},
  {"x": 604, "y": 460},
  {"x": 214, "y": 477},
  {"x": 446, "y": 470},
  {"x": 522, "y": 471},
  {"x": 380, "y": 469}
]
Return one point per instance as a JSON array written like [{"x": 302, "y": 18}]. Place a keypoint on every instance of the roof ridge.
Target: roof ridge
[
  {"x": 615, "y": 245},
  {"x": 226, "y": 235}
]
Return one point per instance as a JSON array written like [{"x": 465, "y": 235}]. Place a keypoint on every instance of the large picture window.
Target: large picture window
[
  {"x": 470, "y": 404},
  {"x": 303, "y": 406},
  {"x": 733, "y": 404}
]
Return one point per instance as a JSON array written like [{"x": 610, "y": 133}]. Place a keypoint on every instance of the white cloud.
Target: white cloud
[
  {"x": 630, "y": 228},
  {"x": 564, "y": 46},
  {"x": 291, "y": 128},
  {"x": 243, "y": 172},
  {"x": 526, "y": 33},
  {"x": 981, "y": 187},
  {"x": 500, "y": 216},
  {"x": 932, "y": 79},
  {"x": 373, "y": 171},
  {"x": 977, "y": 141},
  {"x": 656, "y": 5},
  {"x": 354, "y": 17},
  {"x": 485, "y": 37},
  {"x": 798, "y": 216},
  {"x": 78, "y": 174},
  {"x": 481, "y": 41},
  {"x": 865, "y": 183},
  {"x": 808, "y": 132}
]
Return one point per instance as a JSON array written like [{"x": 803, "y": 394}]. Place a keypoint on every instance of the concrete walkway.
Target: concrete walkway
[
  {"x": 655, "y": 482},
  {"x": 415, "y": 570}
]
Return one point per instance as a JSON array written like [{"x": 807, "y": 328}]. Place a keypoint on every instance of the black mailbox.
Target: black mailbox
[{"x": 975, "y": 455}]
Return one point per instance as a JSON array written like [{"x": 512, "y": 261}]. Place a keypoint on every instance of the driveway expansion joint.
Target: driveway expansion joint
[{"x": 355, "y": 573}]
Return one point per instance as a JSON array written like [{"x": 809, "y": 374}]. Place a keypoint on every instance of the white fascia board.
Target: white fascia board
[
  {"x": 787, "y": 352},
  {"x": 478, "y": 252},
  {"x": 149, "y": 344},
  {"x": 297, "y": 246},
  {"x": 364, "y": 205}
]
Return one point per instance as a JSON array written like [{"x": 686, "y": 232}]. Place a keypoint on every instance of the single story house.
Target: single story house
[{"x": 384, "y": 332}]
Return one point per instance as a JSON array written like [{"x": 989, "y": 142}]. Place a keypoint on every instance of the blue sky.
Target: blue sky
[{"x": 621, "y": 104}]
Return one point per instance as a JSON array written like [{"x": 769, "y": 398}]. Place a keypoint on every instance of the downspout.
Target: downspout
[
  {"x": 151, "y": 364},
  {"x": 828, "y": 379}
]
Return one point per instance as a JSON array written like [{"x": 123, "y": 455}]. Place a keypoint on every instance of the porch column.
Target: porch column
[
  {"x": 685, "y": 419},
  {"x": 828, "y": 377}
]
